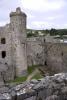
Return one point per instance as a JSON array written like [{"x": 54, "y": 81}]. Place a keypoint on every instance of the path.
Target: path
[{"x": 32, "y": 74}]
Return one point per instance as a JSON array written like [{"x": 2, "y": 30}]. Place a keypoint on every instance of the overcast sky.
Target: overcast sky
[{"x": 41, "y": 14}]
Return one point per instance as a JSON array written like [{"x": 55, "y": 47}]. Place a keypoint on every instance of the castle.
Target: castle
[
  {"x": 13, "y": 45},
  {"x": 17, "y": 51}
]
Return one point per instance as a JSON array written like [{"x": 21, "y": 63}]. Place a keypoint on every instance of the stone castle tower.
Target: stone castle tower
[
  {"x": 17, "y": 51},
  {"x": 13, "y": 46},
  {"x": 18, "y": 28}
]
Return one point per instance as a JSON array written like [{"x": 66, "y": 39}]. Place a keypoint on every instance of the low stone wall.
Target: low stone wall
[{"x": 48, "y": 88}]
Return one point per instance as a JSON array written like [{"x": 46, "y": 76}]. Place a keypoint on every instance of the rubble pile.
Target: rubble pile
[{"x": 47, "y": 88}]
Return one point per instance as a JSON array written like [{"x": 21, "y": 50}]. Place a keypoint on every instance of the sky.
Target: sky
[{"x": 41, "y": 14}]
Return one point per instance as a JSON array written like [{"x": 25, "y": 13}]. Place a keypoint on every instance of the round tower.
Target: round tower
[
  {"x": 18, "y": 21},
  {"x": 18, "y": 27}
]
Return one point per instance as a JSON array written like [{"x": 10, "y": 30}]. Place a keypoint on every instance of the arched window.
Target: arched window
[
  {"x": 3, "y": 54},
  {"x": 3, "y": 41}
]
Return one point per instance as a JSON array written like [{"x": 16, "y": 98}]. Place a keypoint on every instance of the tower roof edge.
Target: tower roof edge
[{"x": 17, "y": 12}]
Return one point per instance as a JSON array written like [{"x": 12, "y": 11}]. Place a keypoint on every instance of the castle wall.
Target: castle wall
[
  {"x": 22, "y": 51},
  {"x": 20, "y": 57},
  {"x": 54, "y": 54},
  {"x": 14, "y": 48},
  {"x": 5, "y": 47},
  {"x": 35, "y": 51},
  {"x": 6, "y": 62}
]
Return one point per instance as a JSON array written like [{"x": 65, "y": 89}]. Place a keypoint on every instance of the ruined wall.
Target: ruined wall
[
  {"x": 56, "y": 56},
  {"x": 53, "y": 55},
  {"x": 35, "y": 51},
  {"x": 22, "y": 51},
  {"x": 13, "y": 61},
  {"x": 6, "y": 65}
]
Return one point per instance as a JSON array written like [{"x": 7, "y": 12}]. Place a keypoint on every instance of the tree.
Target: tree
[{"x": 53, "y": 32}]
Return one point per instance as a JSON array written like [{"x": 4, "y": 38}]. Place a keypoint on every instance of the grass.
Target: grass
[
  {"x": 31, "y": 68},
  {"x": 23, "y": 78},
  {"x": 37, "y": 76},
  {"x": 19, "y": 79}
]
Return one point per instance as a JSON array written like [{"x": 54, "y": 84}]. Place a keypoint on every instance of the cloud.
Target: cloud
[
  {"x": 65, "y": 25},
  {"x": 47, "y": 25},
  {"x": 43, "y": 5},
  {"x": 55, "y": 17},
  {"x": 41, "y": 24},
  {"x": 2, "y": 23},
  {"x": 30, "y": 16},
  {"x": 6, "y": 6},
  {"x": 40, "y": 13}
]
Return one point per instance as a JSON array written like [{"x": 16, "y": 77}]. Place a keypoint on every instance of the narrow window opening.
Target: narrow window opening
[
  {"x": 46, "y": 63},
  {"x": 3, "y": 41},
  {"x": 3, "y": 54},
  {"x": 44, "y": 40},
  {"x": 62, "y": 53}
]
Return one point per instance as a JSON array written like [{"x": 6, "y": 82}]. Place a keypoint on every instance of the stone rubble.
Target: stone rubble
[{"x": 47, "y": 88}]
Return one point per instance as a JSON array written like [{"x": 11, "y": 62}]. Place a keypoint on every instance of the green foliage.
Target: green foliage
[
  {"x": 60, "y": 32},
  {"x": 53, "y": 32},
  {"x": 29, "y": 35},
  {"x": 19, "y": 79},
  {"x": 23, "y": 78},
  {"x": 47, "y": 31},
  {"x": 34, "y": 33},
  {"x": 31, "y": 68},
  {"x": 37, "y": 76}
]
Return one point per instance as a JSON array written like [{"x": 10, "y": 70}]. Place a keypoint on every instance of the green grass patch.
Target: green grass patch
[
  {"x": 23, "y": 78},
  {"x": 19, "y": 79},
  {"x": 37, "y": 76},
  {"x": 31, "y": 68}
]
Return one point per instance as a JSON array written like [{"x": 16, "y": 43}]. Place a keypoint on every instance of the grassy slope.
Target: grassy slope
[{"x": 30, "y": 70}]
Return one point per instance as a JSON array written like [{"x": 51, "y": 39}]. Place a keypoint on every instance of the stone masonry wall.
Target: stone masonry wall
[
  {"x": 22, "y": 51},
  {"x": 47, "y": 88},
  {"x": 14, "y": 62},
  {"x": 18, "y": 25},
  {"x": 53, "y": 55},
  {"x": 6, "y": 65},
  {"x": 56, "y": 56},
  {"x": 35, "y": 51}
]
